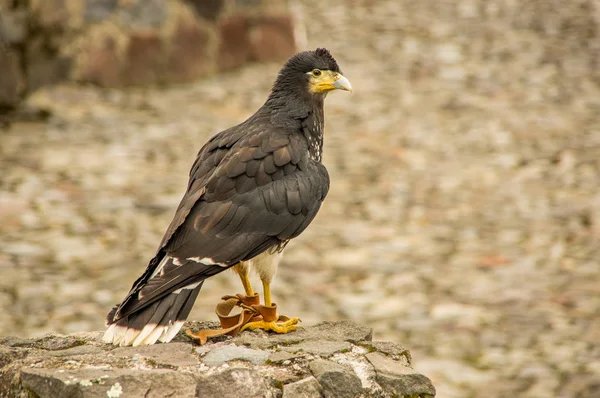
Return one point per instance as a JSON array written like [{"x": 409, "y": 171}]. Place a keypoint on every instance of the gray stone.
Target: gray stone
[
  {"x": 75, "y": 351},
  {"x": 281, "y": 356},
  {"x": 12, "y": 82},
  {"x": 92, "y": 383},
  {"x": 397, "y": 377},
  {"x": 209, "y": 9},
  {"x": 172, "y": 354},
  {"x": 13, "y": 27},
  {"x": 257, "y": 339},
  {"x": 81, "y": 365},
  {"x": 143, "y": 13},
  {"x": 336, "y": 380},
  {"x": 391, "y": 349},
  {"x": 233, "y": 383},
  {"x": 99, "y": 10},
  {"x": 305, "y": 388},
  {"x": 8, "y": 355},
  {"x": 44, "y": 64},
  {"x": 220, "y": 355},
  {"x": 321, "y": 348},
  {"x": 324, "y": 331},
  {"x": 341, "y": 331},
  {"x": 49, "y": 342}
]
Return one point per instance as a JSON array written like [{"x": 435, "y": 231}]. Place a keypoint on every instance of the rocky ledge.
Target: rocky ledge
[{"x": 331, "y": 359}]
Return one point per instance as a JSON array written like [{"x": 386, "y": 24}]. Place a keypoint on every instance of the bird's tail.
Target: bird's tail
[{"x": 159, "y": 321}]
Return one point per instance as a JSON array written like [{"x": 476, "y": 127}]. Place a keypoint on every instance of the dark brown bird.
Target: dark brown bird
[{"x": 252, "y": 188}]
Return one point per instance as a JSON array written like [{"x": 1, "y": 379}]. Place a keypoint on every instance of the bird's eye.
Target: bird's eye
[{"x": 316, "y": 72}]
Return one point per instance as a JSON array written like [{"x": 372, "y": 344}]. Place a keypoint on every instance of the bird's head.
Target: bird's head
[{"x": 313, "y": 72}]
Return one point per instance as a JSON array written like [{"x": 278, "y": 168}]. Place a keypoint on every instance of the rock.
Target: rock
[
  {"x": 12, "y": 82},
  {"x": 391, "y": 349},
  {"x": 233, "y": 383},
  {"x": 190, "y": 51},
  {"x": 115, "y": 43},
  {"x": 220, "y": 355},
  {"x": 82, "y": 365},
  {"x": 76, "y": 351},
  {"x": 234, "y": 41},
  {"x": 320, "y": 348},
  {"x": 7, "y": 355},
  {"x": 99, "y": 10},
  {"x": 397, "y": 377},
  {"x": 44, "y": 64},
  {"x": 144, "y": 62},
  {"x": 328, "y": 331},
  {"x": 142, "y": 13},
  {"x": 101, "y": 64},
  {"x": 305, "y": 388},
  {"x": 336, "y": 380},
  {"x": 209, "y": 9},
  {"x": 281, "y": 356},
  {"x": 173, "y": 354},
  {"x": 341, "y": 331},
  {"x": 272, "y": 38},
  {"x": 92, "y": 383},
  {"x": 57, "y": 14},
  {"x": 13, "y": 27}
]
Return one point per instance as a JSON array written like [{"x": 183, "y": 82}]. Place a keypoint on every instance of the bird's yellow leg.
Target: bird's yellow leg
[
  {"x": 267, "y": 293},
  {"x": 270, "y": 319},
  {"x": 247, "y": 284},
  {"x": 242, "y": 271}
]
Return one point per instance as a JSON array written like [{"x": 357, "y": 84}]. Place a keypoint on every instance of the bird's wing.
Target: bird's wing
[{"x": 241, "y": 200}]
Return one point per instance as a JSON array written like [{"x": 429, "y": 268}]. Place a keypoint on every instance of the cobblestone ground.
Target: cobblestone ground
[{"x": 463, "y": 219}]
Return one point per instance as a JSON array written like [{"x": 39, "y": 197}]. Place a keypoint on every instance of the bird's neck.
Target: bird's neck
[
  {"x": 303, "y": 114},
  {"x": 312, "y": 129}
]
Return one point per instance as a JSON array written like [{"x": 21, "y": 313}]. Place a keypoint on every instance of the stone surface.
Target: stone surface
[
  {"x": 12, "y": 83},
  {"x": 320, "y": 348},
  {"x": 53, "y": 14},
  {"x": 234, "y": 41},
  {"x": 190, "y": 51},
  {"x": 144, "y": 59},
  {"x": 272, "y": 38},
  {"x": 96, "y": 383},
  {"x": 114, "y": 43},
  {"x": 102, "y": 63},
  {"x": 391, "y": 349},
  {"x": 99, "y": 10},
  {"x": 231, "y": 383},
  {"x": 44, "y": 64},
  {"x": 208, "y": 9},
  {"x": 173, "y": 354},
  {"x": 143, "y": 13},
  {"x": 282, "y": 356},
  {"x": 13, "y": 27},
  {"x": 399, "y": 378},
  {"x": 220, "y": 355},
  {"x": 305, "y": 388},
  {"x": 80, "y": 365},
  {"x": 328, "y": 331},
  {"x": 336, "y": 380}
]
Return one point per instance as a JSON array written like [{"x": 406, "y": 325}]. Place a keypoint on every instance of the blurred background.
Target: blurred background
[{"x": 463, "y": 219}]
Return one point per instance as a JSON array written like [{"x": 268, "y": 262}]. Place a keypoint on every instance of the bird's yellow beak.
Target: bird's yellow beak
[{"x": 329, "y": 81}]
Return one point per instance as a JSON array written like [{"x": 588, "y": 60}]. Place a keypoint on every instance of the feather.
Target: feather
[{"x": 282, "y": 156}]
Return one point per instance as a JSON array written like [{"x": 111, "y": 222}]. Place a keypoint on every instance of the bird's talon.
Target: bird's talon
[{"x": 274, "y": 326}]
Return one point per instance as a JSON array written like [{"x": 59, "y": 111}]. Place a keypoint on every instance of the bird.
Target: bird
[{"x": 252, "y": 188}]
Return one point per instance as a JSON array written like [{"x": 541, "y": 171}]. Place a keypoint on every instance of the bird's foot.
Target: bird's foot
[
  {"x": 271, "y": 321},
  {"x": 275, "y": 326}
]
